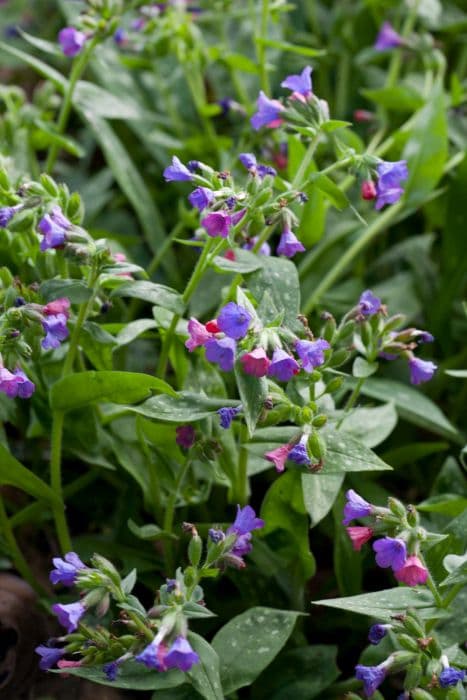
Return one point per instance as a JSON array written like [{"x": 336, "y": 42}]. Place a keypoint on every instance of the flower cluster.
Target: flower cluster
[
  {"x": 236, "y": 541},
  {"x": 399, "y": 549}
]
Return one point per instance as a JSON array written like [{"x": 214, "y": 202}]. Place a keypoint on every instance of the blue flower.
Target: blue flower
[
  {"x": 450, "y": 676},
  {"x": 299, "y": 453},
  {"x": 388, "y": 186},
  {"x": 49, "y": 656},
  {"x": 54, "y": 227},
  {"x": 221, "y": 351},
  {"x": 356, "y": 507},
  {"x": 377, "y": 632},
  {"x": 66, "y": 570},
  {"x": 300, "y": 84},
  {"x": 372, "y": 677},
  {"x": 245, "y": 521},
  {"x": 201, "y": 198},
  {"x": 311, "y": 353},
  {"x": 227, "y": 415},
  {"x": 56, "y": 331},
  {"x": 234, "y": 320},
  {"x": 7, "y": 213},
  {"x": 177, "y": 172},
  {"x": 421, "y": 370},
  {"x": 283, "y": 366},
  {"x": 153, "y": 655},
  {"x": 369, "y": 304},
  {"x": 111, "y": 670},
  {"x": 387, "y": 38},
  {"x": 268, "y": 114},
  {"x": 390, "y": 552},
  {"x": 120, "y": 37},
  {"x": 289, "y": 244},
  {"x": 69, "y": 615},
  {"x": 181, "y": 655},
  {"x": 255, "y": 168}
]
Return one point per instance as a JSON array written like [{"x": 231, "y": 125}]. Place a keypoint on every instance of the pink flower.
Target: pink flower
[
  {"x": 199, "y": 335},
  {"x": 255, "y": 362},
  {"x": 413, "y": 572},
  {"x": 59, "y": 306},
  {"x": 359, "y": 536},
  {"x": 279, "y": 456},
  {"x": 217, "y": 223}
]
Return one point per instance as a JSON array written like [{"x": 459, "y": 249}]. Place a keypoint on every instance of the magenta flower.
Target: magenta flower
[
  {"x": 372, "y": 677},
  {"x": 359, "y": 536},
  {"x": 177, "y": 172},
  {"x": 56, "y": 331},
  {"x": 368, "y": 190},
  {"x": 390, "y": 552},
  {"x": 289, "y": 244},
  {"x": 356, "y": 507},
  {"x": 268, "y": 114},
  {"x": 71, "y": 41},
  {"x": 388, "y": 186},
  {"x": 421, "y": 370},
  {"x": 222, "y": 352},
  {"x": 311, "y": 353},
  {"x": 201, "y": 198},
  {"x": 412, "y": 572},
  {"x": 283, "y": 366},
  {"x": 255, "y": 362},
  {"x": 49, "y": 656},
  {"x": 69, "y": 615},
  {"x": 58, "y": 306},
  {"x": 199, "y": 335},
  {"x": 278, "y": 456},
  {"x": 387, "y": 38},
  {"x": 226, "y": 415},
  {"x": 369, "y": 304},
  {"x": 217, "y": 223},
  {"x": 181, "y": 655},
  {"x": 299, "y": 84},
  {"x": 66, "y": 570},
  {"x": 185, "y": 436},
  {"x": 234, "y": 320}
]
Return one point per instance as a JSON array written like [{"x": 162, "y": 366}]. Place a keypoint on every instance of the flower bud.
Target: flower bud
[
  {"x": 328, "y": 331},
  {"x": 319, "y": 421},
  {"x": 413, "y": 675},
  {"x": 366, "y": 334},
  {"x": 334, "y": 384},
  {"x": 434, "y": 648},
  {"x": 396, "y": 507},
  {"x": 368, "y": 190},
  {"x": 195, "y": 549},
  {"x": 408, "y": 643},
  {"x": 413, "y": 625},
  {"x": 346, "y": 330},
  {"x": 420, "y": 694},
  {"x": 317, "y": 446},
  {"x": 107, "y": 568}
]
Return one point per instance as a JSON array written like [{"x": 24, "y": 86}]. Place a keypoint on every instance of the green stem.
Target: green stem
[
  {"x": 375, "y": 228},
  {"x": 351, "y": 400},
  {"x": 447, "y": 600},
  {"x": 195, "y": 279},
  {"x": 241, "y": 488},
  {"x": 170, "y": 513},
  {"x": 77, "y": 70},
  {"x": 14, "y": 551},
  {"x": 431, "y": 583},
  {"x": 305, "y": 164},
  {"x": 261, "y": 47},
  {"x": 168, "y": 241}
]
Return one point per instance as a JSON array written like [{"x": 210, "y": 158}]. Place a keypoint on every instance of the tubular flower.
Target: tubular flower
[
  {"x": 390, "y": 552},
  {"x": 268, "y": 114},
  {"x": 356, "y": 507},
  {"x": 359, "y": 536},
  {"x": 412, "y": 572},
  {"x": 255, "y": 362}
]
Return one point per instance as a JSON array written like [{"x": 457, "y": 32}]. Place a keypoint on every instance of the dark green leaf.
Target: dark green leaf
[
  {"x": 383, "y": 604},
  {"x": 205, "y": 675},
  {"x": 13, "y": 473},
  {"x": 184, "y": 408},
  {"x": 253, "y": 392},
  {"x": 76, "y": 290},
  {"x": 157, "y": 294},
  {"x": 132, "y": 676}
]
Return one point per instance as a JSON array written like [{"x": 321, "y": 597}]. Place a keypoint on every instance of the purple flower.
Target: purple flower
[
  {"x": 421, "y": 370},
  {"x": 177, "y": 172},
  {"x": 450, "y": 676},
  {"x": 56, "y": 331},
  {"x": 201, "y": 198},
  {"x": 425, "y": 337},
  {"x": 387, "y": 38},
  {"x": 311, "y": 353},
  {"x": 153, "y": 655},
  {"x": 372, "y": 677},
  {"x": 7, "y": 213},
  {"x": 369, "y": 304},
  {"x": 248, "y": 160},
  {"x": 299, "y": 453},
  {"x": 216, "y": 536},
  {"x": 377, "y": 632},
  {"x": 217, "y": 223},
  {"x": 49, "y": 656},
  {"x": 265, "y": 248},
  {"x": 111, "y": 670},
  {"x": 234, "y": 320},
  {"x": 255, "y": 168},
  {"x": 227, "y": 415},
  {"x": 289, "y": 244},
  {"x": 66, "y": 570},
  {"x": 54, "y": 227},
  {"x": 181, "y": 655},
  {"x": 120, "y": 38},
  {"x": 185, "y": 436},
  {"x": 71, "y": 40},
  {"x": 390, "y": 551},
  {"x": 299, "y": 84},
  {"x": 221, "y": 351},
  {"x": 69, "y": 615},
  {"x": 16, "y": 384},
  {"x": 388, "y": 186},
  {"x": 283, "y": 366},
  {"x": 356, "y": 507},
  {"x": 268, "y": 113},
  {"x": 245, "y": 521}
]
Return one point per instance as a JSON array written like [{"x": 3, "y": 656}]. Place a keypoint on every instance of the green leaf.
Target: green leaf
[
  {"x": 253, "y": 392},
  {"x": 301, "y": 674},
  {"x": 333, "y": 124},
  {"x": 205, "y": 675},
  {"x": 13, "y": 473},
  {"x": 371, "y": 426},
  {"x": 131, "y": 676},
  {"x": 292, "y": 48},
  {"x": 157, "y": 294},
  {"x": 400, "y": 98},
  {"x": 39, "y": 66},
  {"x": 76, "y": 290},
  {"x": 95, "y": 101},
  {"x": 241, "y": 62},
  {"x": 133, "y": 330},
  {"x": 149, "y": 532},
  {"x": 347, "y": 562},
  {"x": 384, "y": 604},
  {"x": 329, "y": 188},
  {"x": 183, "y": 408},
  {"x": 446, "y": 504},
  {"x": 245, "y": 262},
  {"x": 319, "y": 493},
  {"x": 279, "y": 277},
  {"x": 248, "y": 643},
  {"x": 77, "y": 390},
  {"x": 413, "y": 406},
  {"x": 362, "y": 369},
  {"x": 456, "y": 566},
  {"x": 426, "y": 151},
  {"x": 41, "y": 44}
]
